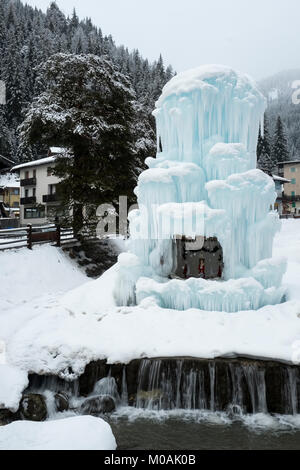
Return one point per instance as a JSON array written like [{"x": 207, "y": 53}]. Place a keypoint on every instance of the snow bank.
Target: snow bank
[
  {"x": 78, "y": 433},
  {"x": 28, "y": 274},
  {"x": 31, "y": 283},
  {"x": 12, "y": 383}
]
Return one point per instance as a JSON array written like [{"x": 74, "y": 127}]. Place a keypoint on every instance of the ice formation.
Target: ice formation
[{"x": 204, "y": 185}]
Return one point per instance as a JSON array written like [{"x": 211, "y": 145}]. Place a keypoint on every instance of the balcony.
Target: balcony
[
  {"x": 286, "y": 198},
  {"x": 50, "y": 198},
  {"x": 28, "y": 200},
  {"x": 28, "y": 182}
]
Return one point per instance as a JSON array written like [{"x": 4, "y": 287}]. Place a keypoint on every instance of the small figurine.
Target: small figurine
[{"x": 202, "y": 268}]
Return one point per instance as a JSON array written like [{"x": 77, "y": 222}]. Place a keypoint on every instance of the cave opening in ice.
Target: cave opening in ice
[
  {"x": 203, "y": 188},
  {"x": 200, "y": 257}
]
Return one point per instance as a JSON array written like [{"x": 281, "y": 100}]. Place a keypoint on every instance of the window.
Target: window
[
  {"x": 293, "y": 170},
  {"x": 293, "y": 181},
  {"x": 34, "y": 212},
  {"x": 52, "y": 189},
  {"x": 33, "y": 192},
  {"x": 293, "y": 193},
  {"x": 34, "y": 173},
  {"x": 16, "y": 192},
  {"x": 49, "y": 171},
  {"x": 26, "y": 192},
  {"x": 26, "y": 175}
]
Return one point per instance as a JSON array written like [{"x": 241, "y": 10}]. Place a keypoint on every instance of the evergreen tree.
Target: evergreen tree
[
  {"x": 86, "y": 106},
  {"x": 267, "y": 139},
  {"x": 28, "y": 37},
  {"x": 280, "y": 151},
  {"x": 260, "y": 144},
  {"x": 265, "y": 163}
]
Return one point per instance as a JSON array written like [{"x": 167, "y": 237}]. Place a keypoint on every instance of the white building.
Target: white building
[{"x": 39, "y": 201}]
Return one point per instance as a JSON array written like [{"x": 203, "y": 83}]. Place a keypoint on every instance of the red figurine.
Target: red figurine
[{"x": 202, "y": 268}]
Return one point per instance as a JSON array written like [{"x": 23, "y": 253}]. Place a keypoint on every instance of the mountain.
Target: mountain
[{"x": 279, "y": 90}]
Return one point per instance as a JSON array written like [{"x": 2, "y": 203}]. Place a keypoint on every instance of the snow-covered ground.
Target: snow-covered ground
[
  {"x": 78, "y": 433},
  {"x": 49, "y": 324}
]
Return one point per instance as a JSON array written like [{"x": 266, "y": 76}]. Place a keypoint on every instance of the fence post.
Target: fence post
[
  {"x": 58, "y": 236},
  {"x": 29, "y": 237}
]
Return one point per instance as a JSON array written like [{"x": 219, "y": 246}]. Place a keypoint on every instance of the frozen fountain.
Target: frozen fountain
[
  {"x": 201, "y": 238},
  {"x": 203, "y": 234}
]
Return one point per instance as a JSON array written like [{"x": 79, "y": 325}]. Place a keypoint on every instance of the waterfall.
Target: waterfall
[
  {"x": 234, "y": 386},
  {"x": 237, "y": 387}
]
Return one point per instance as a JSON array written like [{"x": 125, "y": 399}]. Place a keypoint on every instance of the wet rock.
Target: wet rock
[
  {"x": 33, "y": 407},
  {"x": 7, "y": 417},
  {"x": 94, "y": 372},
  {"x": 102, "y": 404},
  {"x": 61, "y": 402}
]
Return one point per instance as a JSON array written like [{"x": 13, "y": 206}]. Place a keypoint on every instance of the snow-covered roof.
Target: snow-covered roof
[
  {"x": 289, "y": 162},
  {"x": 282, "y": 180},
  {"x": 42, "y": 161},
  {"x": 9, "y": 180},
  {"x": 57, "y": 150}
]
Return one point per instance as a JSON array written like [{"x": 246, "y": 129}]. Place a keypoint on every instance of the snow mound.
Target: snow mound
[
  {"x": 78, "y": 433},
  {"x": 28, "y": 274},
  {"x": 12, "y": 383}
]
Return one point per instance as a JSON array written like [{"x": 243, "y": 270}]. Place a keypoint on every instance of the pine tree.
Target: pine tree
[
  {"x": 265, "y": 163},
  {"x": 280, "y": 151},
  {"x": 28, "y": 37},
  {"x": 267, "y": 139},
  {"x": 260, "y": 144}
]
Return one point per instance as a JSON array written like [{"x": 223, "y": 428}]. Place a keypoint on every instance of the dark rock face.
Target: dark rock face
[
  {"x": 7, "y": 417},
  {"x": 102, "y": 404},
  {"x": 93, "y": 372},
  {"x": 95, "y": 255},
  {"x": 33, "y": 407},
  {"x": 243, "y": 385},
  {"x": 61, "y": 401},
  {"x": 231, "y": 385}
]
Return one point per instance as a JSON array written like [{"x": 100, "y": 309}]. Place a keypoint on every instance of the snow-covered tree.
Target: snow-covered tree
[
  {"x": 265, "y": 163},
  {"x": 280, "y": 151},
  {"x": 28, "y": 37},
  {"x": 87, "y": 106}
]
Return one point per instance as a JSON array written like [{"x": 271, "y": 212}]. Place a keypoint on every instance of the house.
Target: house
[
  {"x": 9, "y": 194},
  {"x": 291, "y": 195},
  {"x": 279, "y": 187},
  {"x": 39, "y": 199}
]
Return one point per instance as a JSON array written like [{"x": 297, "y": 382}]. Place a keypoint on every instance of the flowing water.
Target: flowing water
[
  {"x": 186, "y": 404},
  {"x": 200, "y": 431}
]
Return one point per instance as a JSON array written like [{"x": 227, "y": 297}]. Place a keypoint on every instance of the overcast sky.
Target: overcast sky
[{"x": 260, "y": 37}]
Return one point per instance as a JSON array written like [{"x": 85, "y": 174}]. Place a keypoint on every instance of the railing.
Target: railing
[
  {"x": 28, "y": 182},
  {"x": 28, "y": 200},
  {"x": 286, "y": 198},
  {"x": 290, "y": 216},
  {"x": 50, "y": 198},
  {"x": 8, "y": 223},
  {"x": 29, "y": 236}
]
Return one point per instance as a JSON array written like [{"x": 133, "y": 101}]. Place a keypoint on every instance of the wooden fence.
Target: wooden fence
[{"x": 30, "y": 236}]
